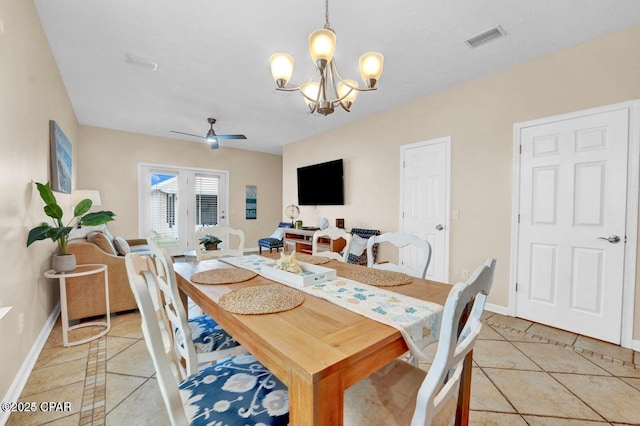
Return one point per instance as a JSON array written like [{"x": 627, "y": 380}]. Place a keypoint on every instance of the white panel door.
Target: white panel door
[
  {"x": 425, "y": 203},
  {"x": 572, "y": 209}
]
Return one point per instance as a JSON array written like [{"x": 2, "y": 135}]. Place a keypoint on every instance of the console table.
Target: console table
[
  {"x": 300, "y": 240},
  {"x": 80, "y": 271}
]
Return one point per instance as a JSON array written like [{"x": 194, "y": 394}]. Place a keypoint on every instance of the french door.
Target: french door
[{"x": 174, "y": 202}]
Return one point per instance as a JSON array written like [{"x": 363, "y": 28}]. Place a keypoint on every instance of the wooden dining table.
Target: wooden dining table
[{"x": 317, "y": 349}]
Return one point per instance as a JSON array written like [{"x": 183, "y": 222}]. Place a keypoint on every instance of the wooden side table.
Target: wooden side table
[{"x": 81, "y": 270}]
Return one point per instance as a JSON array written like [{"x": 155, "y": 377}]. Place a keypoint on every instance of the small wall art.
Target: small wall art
[
  {"x": 61, "y": 159},
  {"x": 252, "y": 202}
]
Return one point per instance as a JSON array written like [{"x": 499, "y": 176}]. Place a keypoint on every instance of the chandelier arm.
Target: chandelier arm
[
  {"x": 288, "y": 89},
  {"x": 298, "y": 88},
  {"x": 334, "y": 67}
]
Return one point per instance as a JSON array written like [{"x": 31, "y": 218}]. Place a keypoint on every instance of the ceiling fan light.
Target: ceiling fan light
[
  {"x": 211, "y": 136},
  {"x": 214, "y": 143},
  {"x": 371, "y": 68},
  {"x": 281, "y": 68},
  {"x": 322, "y": 45}
]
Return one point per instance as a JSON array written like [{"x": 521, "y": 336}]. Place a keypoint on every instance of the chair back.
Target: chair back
[
  {"x": 333, "y": 234},
  {"x": 362, "y": 259},
  {"x": 440, "y": 387},
  {"x": 224, "y": 233},
  {"x": 400, "y": 240},
  {"x": 157, "y": 336},
  {"x": 174, "y": 310}
]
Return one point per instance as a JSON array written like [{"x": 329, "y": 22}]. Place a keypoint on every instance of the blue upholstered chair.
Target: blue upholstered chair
[
  {"x": 272, "y": 242},
  {"x": 366, "y": 234}
]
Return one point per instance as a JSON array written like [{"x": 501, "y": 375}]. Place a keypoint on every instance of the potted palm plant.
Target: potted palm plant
[
  {"x": 59, "y": 232},
  {"x": 210, "y": 242}
]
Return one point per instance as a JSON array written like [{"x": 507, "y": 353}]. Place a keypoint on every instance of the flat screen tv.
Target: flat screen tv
[{"x": 321, "y": 184}]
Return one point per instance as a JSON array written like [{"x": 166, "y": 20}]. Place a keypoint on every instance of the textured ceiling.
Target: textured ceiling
[{"x": 213, "y": 56}]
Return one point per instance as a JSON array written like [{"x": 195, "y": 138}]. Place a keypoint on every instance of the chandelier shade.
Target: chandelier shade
[
  {"x": 371, "y": 68},
  {"x": 281, "y": 68},
  {"x": 322, "y": 45},
  {"x": 326, "y": 89}
]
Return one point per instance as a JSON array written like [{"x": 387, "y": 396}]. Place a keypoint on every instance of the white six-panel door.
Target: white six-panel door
[
  {"x": 425, "y": 202},
  {"x": 573, "y": 177}
]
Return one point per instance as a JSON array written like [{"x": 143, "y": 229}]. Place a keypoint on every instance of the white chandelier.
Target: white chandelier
[{"x": 322, "y": 45}]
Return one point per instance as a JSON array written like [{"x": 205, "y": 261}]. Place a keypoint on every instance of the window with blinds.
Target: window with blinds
[{"x": 207, "y": 188}]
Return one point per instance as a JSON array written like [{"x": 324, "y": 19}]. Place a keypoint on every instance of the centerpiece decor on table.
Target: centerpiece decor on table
[
  {"x": 59, "y": 232},
  {"x": 288, "y": 263},
  {"x": 287, "y": 270}
]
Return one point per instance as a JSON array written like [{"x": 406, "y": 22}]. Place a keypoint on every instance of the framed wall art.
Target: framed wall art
[
  {"x": 61, "y": 159},
  {"x": 252, "y": 202}
]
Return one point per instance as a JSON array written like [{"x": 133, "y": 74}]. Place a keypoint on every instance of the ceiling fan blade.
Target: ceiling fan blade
[
  {"x": 188, "y": 134},
  {"x": 231, "y": 136}
]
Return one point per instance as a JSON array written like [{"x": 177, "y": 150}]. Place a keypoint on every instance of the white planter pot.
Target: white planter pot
[{"x": 63, "y": 262}]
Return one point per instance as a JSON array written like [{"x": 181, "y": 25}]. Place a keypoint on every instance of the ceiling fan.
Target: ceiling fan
[{"x": 211, "y": 135}]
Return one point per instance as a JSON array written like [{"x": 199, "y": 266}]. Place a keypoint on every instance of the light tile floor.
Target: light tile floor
[{"x": 524, "y": 374}]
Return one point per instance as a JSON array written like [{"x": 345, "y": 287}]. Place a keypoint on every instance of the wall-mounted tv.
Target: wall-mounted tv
[{"x": 321, "y": 184}]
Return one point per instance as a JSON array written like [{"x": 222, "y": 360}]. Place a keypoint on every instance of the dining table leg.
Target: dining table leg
[
  {"x": 464, "y": 395},
  {"x": 319, "y": 402}
]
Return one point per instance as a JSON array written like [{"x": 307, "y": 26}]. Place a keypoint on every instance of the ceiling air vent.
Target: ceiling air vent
[
  {"x": 141, "y": 62},
  {"x": 486, "y": 36}
]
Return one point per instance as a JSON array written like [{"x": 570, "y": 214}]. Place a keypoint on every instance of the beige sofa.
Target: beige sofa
[{"x": 85, "y": 295}]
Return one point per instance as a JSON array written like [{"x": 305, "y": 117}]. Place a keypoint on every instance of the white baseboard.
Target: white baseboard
[
  {"x": 20, "y": 380},
  {"x": 497, "y": 309},
  {"x": 635, "y": 345}
]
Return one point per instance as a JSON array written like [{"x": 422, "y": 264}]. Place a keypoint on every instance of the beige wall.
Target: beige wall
[
  {"x": 479, "y": 116},
  {"x": 31, "y": 94},
  {"x": 108, "y": 160}
]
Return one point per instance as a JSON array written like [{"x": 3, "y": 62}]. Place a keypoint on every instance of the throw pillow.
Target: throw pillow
[
  {"x": 83, "y": 231},
  {"x": 358, "y": 245},
  {"x": 99, "y": 239},
  {"x": 122, "y": 246},
  {"x": 278, "y": 234}
]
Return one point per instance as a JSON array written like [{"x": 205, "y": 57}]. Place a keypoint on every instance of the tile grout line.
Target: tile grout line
[
  {"x": 92, "y": 411},
  {"x": 564, "y": 345}
]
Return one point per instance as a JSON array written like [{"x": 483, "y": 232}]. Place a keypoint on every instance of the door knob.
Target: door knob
[
  {"x": 613, "y": 239},
  {"x": 439, "y": 227}
]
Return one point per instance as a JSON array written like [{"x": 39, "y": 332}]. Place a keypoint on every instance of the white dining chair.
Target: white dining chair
[
  {"x": 332, "y": 234},
  {"x": 210, "y": 340},
  {"x": 239, "y": 390},
  {"x": 402, "y": 240},
  {"x": 225, "y": 234},
  {"x": 401, "y": 393}
]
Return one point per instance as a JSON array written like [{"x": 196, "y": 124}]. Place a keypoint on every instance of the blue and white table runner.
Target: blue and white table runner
[{"x": 417, "y": 320}]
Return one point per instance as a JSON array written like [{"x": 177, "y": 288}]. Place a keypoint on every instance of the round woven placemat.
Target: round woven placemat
[
  {"x": 223, "y": 276},
  {"x": 377, "y": 277},
  {"x": 314, "y": 260},
  {"x": 266, "y": 299}
]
